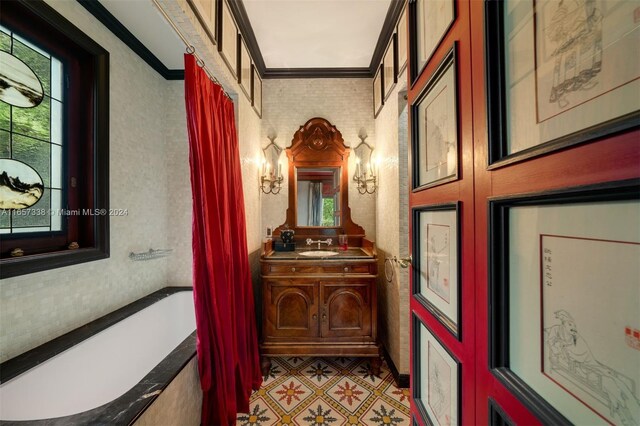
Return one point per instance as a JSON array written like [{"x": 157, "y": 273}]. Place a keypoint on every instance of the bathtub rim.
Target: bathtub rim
[{"x": 138, "y": 398}]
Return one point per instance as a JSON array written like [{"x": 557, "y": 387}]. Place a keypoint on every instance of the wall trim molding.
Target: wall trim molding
[
  {"x": 316, "y": 73},
  {"x": 401, "y": 380},
  {"x": 244, "y": 26},
  {"x": 393, "y": 15},
  {"x": 119, "y": 30}
]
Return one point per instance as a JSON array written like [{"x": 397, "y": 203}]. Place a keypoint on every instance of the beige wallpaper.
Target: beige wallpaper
[
  {"x": 149, "y": 176},
  {"x": 346, "y": 103},
  {"x": 392, "y": 227}
]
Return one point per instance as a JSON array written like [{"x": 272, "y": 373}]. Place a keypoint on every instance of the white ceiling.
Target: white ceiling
[
  {"x": 290, "y": 33},
  {"x": 317, "y": 33},
  {"x": 146, "y": 23}
]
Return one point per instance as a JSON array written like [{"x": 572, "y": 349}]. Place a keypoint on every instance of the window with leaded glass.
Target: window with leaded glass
[
  {"x": 54, "y": 141},
  {"x": 31, "y": 137}
]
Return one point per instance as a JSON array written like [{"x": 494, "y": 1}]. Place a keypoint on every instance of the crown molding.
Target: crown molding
[
  {"x": 317, "y": 73},
  {"x": 244, "y": 26},
  {"x": 393, "y": 15},
  {"x": 119, "y": 30}
]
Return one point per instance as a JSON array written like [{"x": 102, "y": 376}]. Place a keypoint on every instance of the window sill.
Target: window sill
[{"x": 16, "y": 266}]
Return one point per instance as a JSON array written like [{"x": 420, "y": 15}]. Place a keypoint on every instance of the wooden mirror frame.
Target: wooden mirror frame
[{"x": 318, "y": 143}]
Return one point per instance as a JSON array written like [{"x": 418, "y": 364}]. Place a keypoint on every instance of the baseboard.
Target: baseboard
[{"x": 401, "y": 380}]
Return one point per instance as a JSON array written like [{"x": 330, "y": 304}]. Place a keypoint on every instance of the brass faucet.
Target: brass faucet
[{"x": 327, "y": 242}]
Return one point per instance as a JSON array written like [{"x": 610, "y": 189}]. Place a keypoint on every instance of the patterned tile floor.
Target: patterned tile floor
[{"x": 327, "y": 392}]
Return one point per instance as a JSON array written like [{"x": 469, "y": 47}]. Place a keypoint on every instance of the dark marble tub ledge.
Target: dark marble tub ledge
[{"x": 125, "y": 409}]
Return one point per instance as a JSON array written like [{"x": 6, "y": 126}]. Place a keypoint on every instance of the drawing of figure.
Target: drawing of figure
[
  {"x": 570, "y": 356},
  {"x": 437, "y": 143},
  {"x": 576, "y": 32},
  {"x": 437, "y": 261}
]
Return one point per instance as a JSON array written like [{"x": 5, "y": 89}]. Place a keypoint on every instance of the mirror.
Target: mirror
[
  {"x": 318, "y": 183},
  {"x": 318, "y": 196}
]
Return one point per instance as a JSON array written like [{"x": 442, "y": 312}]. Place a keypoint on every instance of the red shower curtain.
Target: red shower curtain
[{"x": 227, "y": 341}]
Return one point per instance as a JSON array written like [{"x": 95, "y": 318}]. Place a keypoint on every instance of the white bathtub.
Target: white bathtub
[{"x": 101, "y": 368}]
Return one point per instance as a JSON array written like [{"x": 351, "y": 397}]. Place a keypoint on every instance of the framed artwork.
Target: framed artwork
[
  {"x": 256, "y": 87},
  {"x": 497, "y": 416},
  {"x": 435, "y": 128},
  {"x": 436, "y": 383},
  {"x": 565, "y": 302},
  {"x": 430, "y": 21},
  {"x": 378, "y": 102},
  {"x": 207, "y": 13},
  {"x": 389, "y": 76},
  {"x": 244, "y": 68},
  {"x": 402, "y": 47},
  {"x": 228, "y": 46},
  {"x": 559, "y": 74},
  {"x": 437, "y": 266}
]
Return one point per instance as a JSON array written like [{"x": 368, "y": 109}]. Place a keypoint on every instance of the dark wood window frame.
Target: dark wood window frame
[{"x": 86, "y": 155}]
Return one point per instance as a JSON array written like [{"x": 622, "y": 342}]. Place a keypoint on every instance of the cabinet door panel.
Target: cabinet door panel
[
  {"x": 346, "y": 309},
  {"x": 291, "y": 309}
]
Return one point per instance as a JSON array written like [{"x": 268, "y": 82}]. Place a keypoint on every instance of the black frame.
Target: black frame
[
  {"x": 495, "y": 80},
  {"x": 98, "y": 147},
  {"x": 413, "y": 37},
  {"x": 256, "y": 75},
  {"x": 402, "y": 67},
  {"x": 454, "y": 329},
  {"x": 242, "y": 48},
  {"x": 230, "y": 62},
  {"x": 378, "y": 74},
  {"x": 497, "y": 416},
  {"x": 393, "y": 44},
  {"x": 415, "y": 391},
  {"x": 498, "y": 268},
  {"x": 450, "y": 60}
]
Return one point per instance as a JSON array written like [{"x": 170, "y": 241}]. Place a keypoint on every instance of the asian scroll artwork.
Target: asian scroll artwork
[
  {"x": 584, "y": 49},
  {"x": 438, "y": 262},
  {"x": 590, "y": 306},
  {"x": 439, "y": 386}
]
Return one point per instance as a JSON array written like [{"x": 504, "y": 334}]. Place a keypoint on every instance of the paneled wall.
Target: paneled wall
[{"x": 601, "y": 162}]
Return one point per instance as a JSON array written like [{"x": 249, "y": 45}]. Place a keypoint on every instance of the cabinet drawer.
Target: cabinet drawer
[{"x": 317, "y": 269}]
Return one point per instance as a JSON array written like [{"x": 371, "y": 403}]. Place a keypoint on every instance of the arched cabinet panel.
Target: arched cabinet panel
[
  {"x": 346, "y": 309},
  {"x": 292, "y": 310}
]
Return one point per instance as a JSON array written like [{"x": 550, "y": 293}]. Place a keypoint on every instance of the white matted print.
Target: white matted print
[
  {"x": 438, "y": 381},
  {"x": 574, "y": 294},
  {"x": 584, "y": 349},
  {"x": 433, "y": 18},
  {"x": 438, "y": 263},
  {"x": 437, "y": 148},
  {"x": 576, "y": 59}
]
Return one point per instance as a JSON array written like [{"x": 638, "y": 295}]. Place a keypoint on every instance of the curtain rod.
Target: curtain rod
[{"x": 190, "y": 49}]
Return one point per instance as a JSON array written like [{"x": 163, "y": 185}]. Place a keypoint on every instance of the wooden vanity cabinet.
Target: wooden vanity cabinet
[{"x": 319, "y": 308}]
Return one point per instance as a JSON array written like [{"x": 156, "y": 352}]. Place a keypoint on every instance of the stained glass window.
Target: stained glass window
[{"x": 31, "y": 137}]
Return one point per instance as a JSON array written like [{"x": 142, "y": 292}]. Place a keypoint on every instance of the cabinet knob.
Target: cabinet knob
[
  {"x": 293, "y": 269},
  {"x": 314, "y": 316},
  {"x": 346, "y": 269},
  {"x": 324, "y": 317}
]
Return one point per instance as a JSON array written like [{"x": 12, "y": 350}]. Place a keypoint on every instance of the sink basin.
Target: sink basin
[{"x": 318, "y": 253}]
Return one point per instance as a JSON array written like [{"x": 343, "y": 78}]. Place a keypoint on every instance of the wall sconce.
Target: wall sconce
[
  {"x": 271, "y": 174},
  {"x": 365, "y": 177}
]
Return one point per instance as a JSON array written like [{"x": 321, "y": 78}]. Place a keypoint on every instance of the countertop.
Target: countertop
[{"x": 352, "y": 253}]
